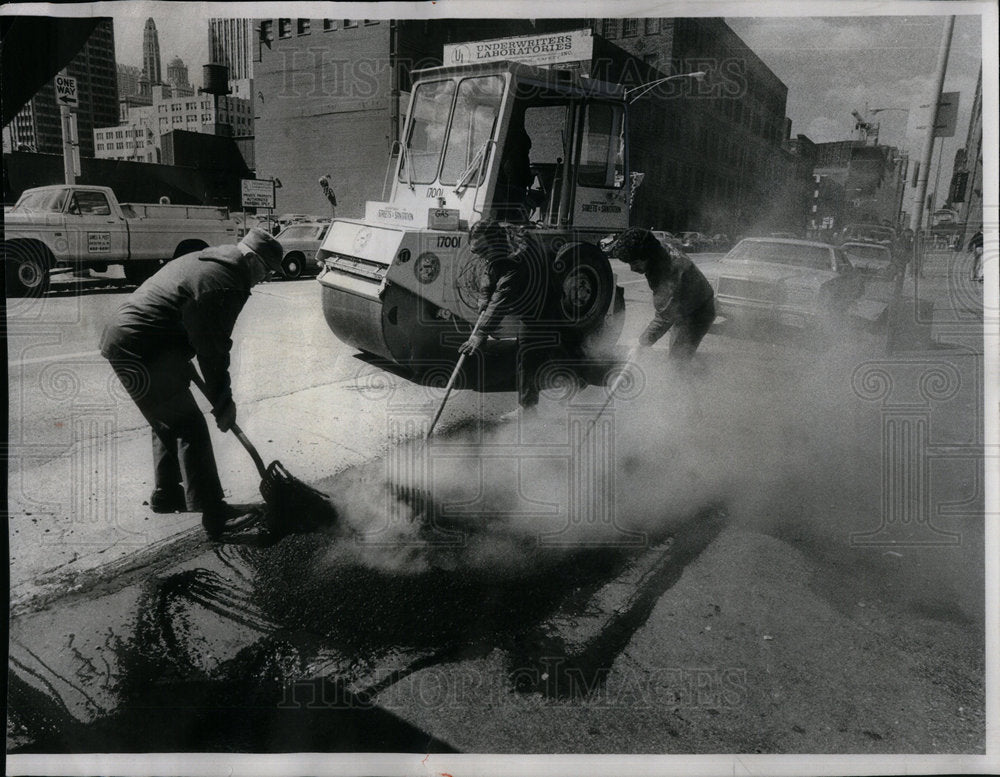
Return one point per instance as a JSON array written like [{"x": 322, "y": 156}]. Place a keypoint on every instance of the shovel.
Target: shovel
[{"x": 291, "y": 504}]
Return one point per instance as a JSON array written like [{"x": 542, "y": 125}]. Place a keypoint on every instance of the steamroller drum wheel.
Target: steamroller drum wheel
[
  {"x": 291, "y": 266},
  {"x": 26, "y": 271},
  {"x": 586, "y": 286}
]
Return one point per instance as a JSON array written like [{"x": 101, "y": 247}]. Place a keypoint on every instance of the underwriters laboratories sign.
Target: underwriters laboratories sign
[{"x": 571, "y": 46}]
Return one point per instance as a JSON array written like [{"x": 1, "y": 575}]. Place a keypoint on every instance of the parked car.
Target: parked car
[
  {"x": 667, "y": 239},
  {"x": 300, "y": 241},
  {"x": 872, "y": 233},
  {"x": 692, "y": 242},
  {"x": 868, "y": 257},
  {"x": 797, "y": 283}
]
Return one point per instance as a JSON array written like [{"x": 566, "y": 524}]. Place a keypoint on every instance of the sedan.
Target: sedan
[
  {"x": 796, "y": 283},
  {"x": 872, "y": 258},
  {"x": 299, "y": 242}
]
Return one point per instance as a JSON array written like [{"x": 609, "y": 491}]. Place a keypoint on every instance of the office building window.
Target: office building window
[
  {"x": 284, "y": 28},
  {"x": 266, "y": 30},
  {"x": 303, "y": 26},
  {"x": 652, "y": 26},
  {"x": 329, "y": 24},
  {"x": 370, "y": 22},
  {"x": 610, "y": 28},
  {"x": 348, "y": 23},
  {"x": 630, "y": 28}
]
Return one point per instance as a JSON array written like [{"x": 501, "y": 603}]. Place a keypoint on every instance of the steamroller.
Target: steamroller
[{"x": 402, "y": 284}]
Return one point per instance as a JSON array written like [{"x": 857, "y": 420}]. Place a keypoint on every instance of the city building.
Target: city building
[
  {"x": 711, "y": 151},
  {"x": 857, "y": 183},
  {"x": 128, "y": 81},
  {"x": 177, "y": 77},
  {"x": 37, "y": 126},
  {"x": 151, "y": 53},
  {"x": 966, "y": 195},
  {"x": 139, "y": 137},
  {"x": 232, "y": 42}
]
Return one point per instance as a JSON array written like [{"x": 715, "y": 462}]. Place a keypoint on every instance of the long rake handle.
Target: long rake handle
[
  {"x": 451, "y": 381},
  {"x": 235, "y": 429},
  {"x": 611, "y": 394}
]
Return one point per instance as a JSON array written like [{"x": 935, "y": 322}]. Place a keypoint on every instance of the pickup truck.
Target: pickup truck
[{"x": 61, "y": 228}]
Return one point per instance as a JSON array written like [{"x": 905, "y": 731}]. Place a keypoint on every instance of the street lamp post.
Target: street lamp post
[{"x": 698, "y": 75}]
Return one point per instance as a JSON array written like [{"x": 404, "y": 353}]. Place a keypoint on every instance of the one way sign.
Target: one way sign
[{"x": 66, "y": 93}]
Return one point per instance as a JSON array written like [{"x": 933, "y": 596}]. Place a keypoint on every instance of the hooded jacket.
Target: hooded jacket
[
  {"x": 679, "y": 289},
  {"x": 187, "y": 309}
]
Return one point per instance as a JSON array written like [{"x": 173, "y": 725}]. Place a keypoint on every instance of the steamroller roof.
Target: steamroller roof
[{"x": 549, "y": 77}]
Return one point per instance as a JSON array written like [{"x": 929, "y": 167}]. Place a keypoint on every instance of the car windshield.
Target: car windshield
[
  {"x": 795, "y": 254},
  {"x": 867, "y": 252},
  {"x": 301, "y": 232},
  {"x": 48, "y": 201}
]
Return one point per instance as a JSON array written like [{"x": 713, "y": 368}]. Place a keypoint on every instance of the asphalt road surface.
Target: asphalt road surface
[{"x": 777, "y": 551}]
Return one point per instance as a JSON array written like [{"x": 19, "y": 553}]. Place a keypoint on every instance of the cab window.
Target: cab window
[
  {"x": 477, "y": 106},
  {"x": 427, "y": 127},
  {"x": 86, "y": 203},
  {"x": 600, "y": 157}
]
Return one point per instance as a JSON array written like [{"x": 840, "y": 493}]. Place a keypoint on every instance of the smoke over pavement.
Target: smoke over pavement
[{"x": 778, "y": 437}]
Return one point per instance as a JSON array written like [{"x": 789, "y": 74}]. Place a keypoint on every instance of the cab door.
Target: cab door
[
  {"x": 95, "y": 232},
  {"x": 602, "y": 186}
]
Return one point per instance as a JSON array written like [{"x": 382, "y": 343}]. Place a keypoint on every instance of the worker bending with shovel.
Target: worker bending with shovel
[
  {"x": 188, "y": 309},
  {"x": 683, "y": 299},
  {"x": 514, "y": 281}
]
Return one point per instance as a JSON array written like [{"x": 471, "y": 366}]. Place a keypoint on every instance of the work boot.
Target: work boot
[
  {"x": 167, "y": 500},
  {"x": 215, "y": 518}
]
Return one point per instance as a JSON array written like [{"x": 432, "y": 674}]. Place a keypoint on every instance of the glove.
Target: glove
[
  {"x": 225, "y": 416},
  {"x": 470, "y": 346}
]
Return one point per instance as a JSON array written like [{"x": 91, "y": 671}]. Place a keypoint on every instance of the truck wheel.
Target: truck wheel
[
  {"x": 137, "y": 272},
  {"x": 586, "y": 286},
  {"x": 291, "y": 265},
  {"x": 26, "y": 271}
]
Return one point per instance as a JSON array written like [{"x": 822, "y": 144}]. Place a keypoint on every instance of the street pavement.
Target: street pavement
[{"x": 770, "y": 608}]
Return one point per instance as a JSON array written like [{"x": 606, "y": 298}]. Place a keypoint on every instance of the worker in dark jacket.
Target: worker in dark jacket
[
  {"x": 683, "y": 299},
  {"x": 515, "y": 282},
  {"x": 188, "y": 309}
]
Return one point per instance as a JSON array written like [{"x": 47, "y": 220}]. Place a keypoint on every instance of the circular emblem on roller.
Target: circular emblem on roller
[
  {"x": 427, "y": 267},
  {"x": 362, "y": 237}
]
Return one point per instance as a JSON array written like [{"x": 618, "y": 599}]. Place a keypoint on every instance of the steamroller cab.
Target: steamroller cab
[{"x": 541, "y": 148}]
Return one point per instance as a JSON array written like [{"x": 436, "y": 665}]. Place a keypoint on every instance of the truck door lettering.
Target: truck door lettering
[
  {"x": 434, "y": 191},
  {"x": 98, "y": 242},
  {"x": 449, "y": 241}
]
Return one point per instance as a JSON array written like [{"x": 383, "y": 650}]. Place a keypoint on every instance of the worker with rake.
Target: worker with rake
[
  {"x": 188, "y": 309},
  {"x": 683, "y": 298},
  {"x": 514, "y": 281}
]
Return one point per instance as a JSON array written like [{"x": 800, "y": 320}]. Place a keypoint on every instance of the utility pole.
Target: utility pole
[{"x": 920, "y": 203}]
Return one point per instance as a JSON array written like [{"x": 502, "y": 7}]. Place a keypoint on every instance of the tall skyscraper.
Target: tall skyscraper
[
  {"x": 230, "y": 43},
  {"x": 151, "y": 53},
  {"x": 37, "y": 125}
]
